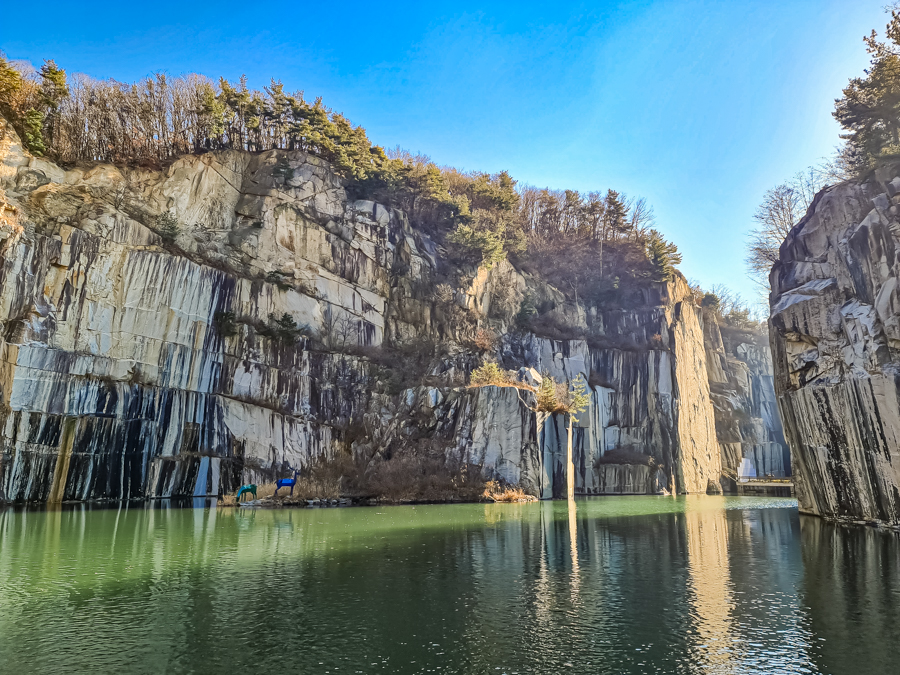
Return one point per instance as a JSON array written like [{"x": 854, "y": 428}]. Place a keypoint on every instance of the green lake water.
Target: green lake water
[{"x": 620, "y": 585}]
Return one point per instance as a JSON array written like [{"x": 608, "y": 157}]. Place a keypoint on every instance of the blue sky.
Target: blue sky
[{"x": 697, "y": 106}]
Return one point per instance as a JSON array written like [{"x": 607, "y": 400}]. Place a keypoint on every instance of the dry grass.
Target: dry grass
[
  {"x": 424, "y": 471},
  {"x": 263, "y": 490},
  {"x": 495, "y": 492},
  {"x": 485, "y": 339},
  {"x": 491, "y": 375},
  {"x": 323, "y": 478},
  {"x": 514, "y": 384}
]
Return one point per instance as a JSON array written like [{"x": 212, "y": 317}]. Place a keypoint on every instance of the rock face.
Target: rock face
[
  {"x": 149, "y": 346},
  {"x": 835, "y": 335},
  {"x": 748, "y": 425},
  {"x": 115, "y": 381},
  {"x": 650, "y": 403}
]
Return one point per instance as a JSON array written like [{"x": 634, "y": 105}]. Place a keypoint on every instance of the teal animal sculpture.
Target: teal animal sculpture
[{"x": 246, "y": 489}]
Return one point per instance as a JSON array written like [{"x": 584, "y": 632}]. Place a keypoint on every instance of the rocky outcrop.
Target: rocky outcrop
[
  {"x": 835, "y": 335},
  {"x": 236, "y": 316},
  {"x": 117, "y": 383},
  {"x": 741, "y": 382},
  {"x": 651, "y": 406}
]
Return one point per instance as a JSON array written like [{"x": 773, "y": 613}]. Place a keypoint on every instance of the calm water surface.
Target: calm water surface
[{"x": 622, "y": 585}]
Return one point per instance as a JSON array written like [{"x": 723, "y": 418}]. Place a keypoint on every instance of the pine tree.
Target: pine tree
[
  {"x": 870, "y": 108},
  {"x": 33, "y": 128},
  {"x": 10, "y": 85},
  {"x": 557, "y": 399},
  {"x": 21, "y": 103},
  {"x": 615, "y": 217},
  {"x": 663, "y": 257},
  {"x": 212, "y": 119}
]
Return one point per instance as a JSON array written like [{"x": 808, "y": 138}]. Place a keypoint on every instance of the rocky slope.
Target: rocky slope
[
  {"x": 835, "y": 335},
  {"x": 149, "y": 346}
]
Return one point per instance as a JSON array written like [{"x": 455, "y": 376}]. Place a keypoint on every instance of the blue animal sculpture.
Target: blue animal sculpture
[
  {"x": 246, "y": 489},
  {"x": 287, "y": 482}
]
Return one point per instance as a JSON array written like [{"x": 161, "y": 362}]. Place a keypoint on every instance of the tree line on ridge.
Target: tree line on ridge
[{"x": 588, "y": 244}]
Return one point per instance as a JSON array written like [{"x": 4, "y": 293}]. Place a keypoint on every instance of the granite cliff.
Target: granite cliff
[
  {"x": 835, "y": 335},
  {"x": 741, "y": 382},
  {"x": 235, "y": 316}
]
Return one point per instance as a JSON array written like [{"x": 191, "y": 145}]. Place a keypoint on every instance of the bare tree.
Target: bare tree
[
  {"x": 341, "y": 332},
  {"x": 782, "y": 207},
  {"x": 642, "y": 217}
]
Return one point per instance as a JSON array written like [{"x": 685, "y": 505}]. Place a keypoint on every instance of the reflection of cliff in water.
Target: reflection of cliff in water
[
  {"x": 710, "y": 579},
  {"x": 851, "y": 585},
  {"x": 773, "y": 626},
  {"x": 653, "y": 585}
]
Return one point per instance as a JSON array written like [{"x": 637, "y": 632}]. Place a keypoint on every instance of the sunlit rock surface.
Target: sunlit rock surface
[
  {"x": 116, "y": 383},
  {"x": 748, "y": 426},
  {"x": 120, "y": 380},
  {"x": 835, "y": 334},
  {"x": 647, "y": 402}
]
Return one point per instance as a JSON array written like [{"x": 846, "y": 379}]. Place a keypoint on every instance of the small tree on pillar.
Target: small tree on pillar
[
  {"x": 551, "y": 398},
  {"x": 555, "y": 398}
]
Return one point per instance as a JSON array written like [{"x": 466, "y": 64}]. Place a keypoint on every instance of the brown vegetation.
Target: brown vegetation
[
  {"x": 730, "y": 312},
  {"x": 263, "y": 491},
  {"x": 413, "y": 476},
  {"x": 558, "y": 398},
  {"x": 325, "y": 478},
  {"x": 403, "y": 365},
  {"x": 584, "y": 244},
  {"x": 485, "y": 339},
  {"x": 419, "y": 472},
  {"x": 496, "y": 491}
]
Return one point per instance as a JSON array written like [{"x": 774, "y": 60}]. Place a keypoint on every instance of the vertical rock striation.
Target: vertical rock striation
[
  {"x": 650, "y": 425},
  {"x": 741, "y": 382},
  {"x": 835, "y": 336},
  {"x": 116, "y": 382},
  {"x": 178, "y": 332}
]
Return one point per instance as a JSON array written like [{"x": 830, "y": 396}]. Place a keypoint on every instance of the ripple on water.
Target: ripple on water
[{"x": 627, "y": 585}]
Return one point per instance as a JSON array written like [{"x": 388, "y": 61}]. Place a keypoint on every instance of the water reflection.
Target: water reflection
[
  {"x": 636, "y": 585},
  {"x": 852, "y": 588},
  {"x": 710, "y": 578},
  {"x": 573, "y": 548}
]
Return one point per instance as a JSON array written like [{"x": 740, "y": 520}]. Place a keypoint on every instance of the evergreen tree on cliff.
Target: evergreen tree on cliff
[
  {"x": 663, "y": 257},
  {"x": 550, "y": 398},
  {"x": 869, "y": 111}
]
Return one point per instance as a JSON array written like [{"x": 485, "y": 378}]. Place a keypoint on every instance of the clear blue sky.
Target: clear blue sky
[{"x": 697, "y": 106}]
